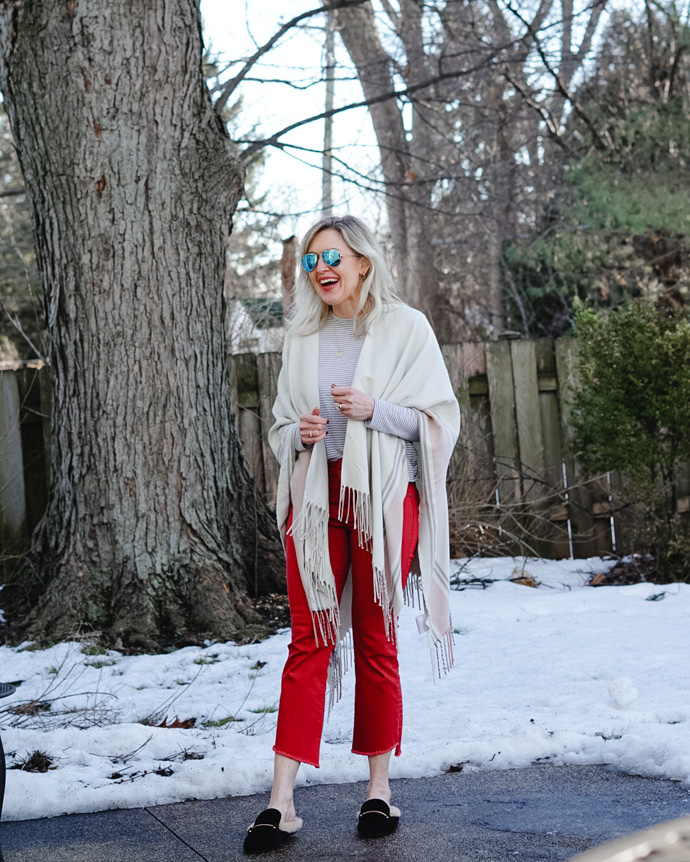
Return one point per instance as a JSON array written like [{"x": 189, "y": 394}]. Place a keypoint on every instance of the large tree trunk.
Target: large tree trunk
[{"x": 151, "y": 530}]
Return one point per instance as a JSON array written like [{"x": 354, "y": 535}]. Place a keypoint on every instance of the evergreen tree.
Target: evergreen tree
[{"x": 632, "y": 414}]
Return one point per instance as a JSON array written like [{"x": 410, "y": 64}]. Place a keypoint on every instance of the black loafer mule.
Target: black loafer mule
[
  {"x": 269, "y": 831},
  {"x": 376, "y": 819}
]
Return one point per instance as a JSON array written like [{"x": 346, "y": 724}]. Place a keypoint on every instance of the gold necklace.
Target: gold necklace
[{"x": 339, "y": 348}]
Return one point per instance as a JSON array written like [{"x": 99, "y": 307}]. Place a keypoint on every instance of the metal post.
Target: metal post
[{"x": 327, "y": 186}]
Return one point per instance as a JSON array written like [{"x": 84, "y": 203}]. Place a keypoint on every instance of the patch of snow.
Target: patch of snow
[{"x": 564, "y": 673}]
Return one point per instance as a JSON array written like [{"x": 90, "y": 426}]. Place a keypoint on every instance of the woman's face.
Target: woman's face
[{"x": 338, "y": 286}]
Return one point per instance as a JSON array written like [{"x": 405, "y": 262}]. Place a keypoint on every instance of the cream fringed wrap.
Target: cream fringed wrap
[{"x": 400, "y": 362}]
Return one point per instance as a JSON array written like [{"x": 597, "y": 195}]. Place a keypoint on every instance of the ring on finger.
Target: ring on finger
[
  {"x": 311, "y": 433},
  {"x": 338, "y": 408}
]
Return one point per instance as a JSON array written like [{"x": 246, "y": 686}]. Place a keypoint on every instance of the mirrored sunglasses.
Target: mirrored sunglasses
[{"x": 331, "y": 257}]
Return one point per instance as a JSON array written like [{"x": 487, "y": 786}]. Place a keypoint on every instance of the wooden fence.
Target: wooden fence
[{"x": 513, "y": 484}]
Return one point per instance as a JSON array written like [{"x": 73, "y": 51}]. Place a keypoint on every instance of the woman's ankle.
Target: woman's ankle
[
  {"x": 284, "y": 775},
  {"x": 378, "y": 786},
  {"x": 285, "y": 806},
  {"x": 379, "y": 791}
]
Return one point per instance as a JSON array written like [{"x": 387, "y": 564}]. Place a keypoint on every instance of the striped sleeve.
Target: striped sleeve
[
  {"x": 394, "y": 419},
  {"x": 299, "y": 445}
]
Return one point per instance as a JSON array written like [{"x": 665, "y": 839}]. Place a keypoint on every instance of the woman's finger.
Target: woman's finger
[
  {"x": 353, "y": 403},
  {"x": 312, "y": 427},
  {"x": 311, "y": 420}
]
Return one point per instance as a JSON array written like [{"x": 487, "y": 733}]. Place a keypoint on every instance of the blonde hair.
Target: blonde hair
[{"x": 309, "y": 312}]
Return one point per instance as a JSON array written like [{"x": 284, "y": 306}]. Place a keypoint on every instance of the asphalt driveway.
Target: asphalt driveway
[{"x": 531, "y": 815}]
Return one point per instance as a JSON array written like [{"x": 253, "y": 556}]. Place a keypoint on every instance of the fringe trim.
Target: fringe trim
[
  {"x": 382, "y": 598},
  {"x": 442, "y": 654},
  {"x": 342, "y": 659},
  {"x": 412, "y": 594},
  {"x": 326, "y": 623},
  {"x": 359, "y": 503},
  {"x": 311, "y": 528}
]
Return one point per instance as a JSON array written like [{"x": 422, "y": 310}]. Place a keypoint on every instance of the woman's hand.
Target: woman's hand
[
  {"x": 312, "y": 427},
  {"x": 353, "y": 403}
]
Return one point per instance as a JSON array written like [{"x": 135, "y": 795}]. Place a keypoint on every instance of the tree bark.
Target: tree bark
[{"x": 150, "y": 534}]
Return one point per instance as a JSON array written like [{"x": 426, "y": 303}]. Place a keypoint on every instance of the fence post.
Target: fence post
[
  {"x": 13, "y": 521},
  {"x": 268, "y": 369},
  {"x": 591, "y": 536},
  {"x": 528, "y": 416},
  {"x": 555, "y": 512},
  {"x": 32, "y": 425},
  {"x": 502, "y": 399},
  {"x": 244, "y": 388},
  {"x": 531, "y": 445},
  {"x": 472, "y": 488}
]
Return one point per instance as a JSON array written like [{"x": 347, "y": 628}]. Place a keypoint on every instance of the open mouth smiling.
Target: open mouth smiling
[{"x": 328, "y": 282}]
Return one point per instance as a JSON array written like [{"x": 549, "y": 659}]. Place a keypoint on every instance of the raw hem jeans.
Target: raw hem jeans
[{"x": 378, "y": 696}]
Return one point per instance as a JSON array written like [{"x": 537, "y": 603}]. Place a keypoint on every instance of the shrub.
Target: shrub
[{"x": 632, "y": 414}]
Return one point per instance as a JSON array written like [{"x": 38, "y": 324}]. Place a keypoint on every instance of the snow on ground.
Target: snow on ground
[{"x": 564, "y": 673}]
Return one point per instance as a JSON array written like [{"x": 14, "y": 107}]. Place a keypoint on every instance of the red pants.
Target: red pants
[{"x": 378, "y": 696}]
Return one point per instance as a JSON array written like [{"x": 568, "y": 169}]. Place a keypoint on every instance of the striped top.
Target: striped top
[{"x": 338, "y": 354}]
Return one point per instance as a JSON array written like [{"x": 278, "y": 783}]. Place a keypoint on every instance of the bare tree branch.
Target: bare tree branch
[
  {"x": 384, "y": 184},
  {"x": 536, "y": 24},
  {"x": 500, "y": 22},
  {"x": 567, "y": 56},
  {"x": 274, "y": 140},
  {"x": 652, "y": 54},
  {"x": 561, "y": 86},
  {"x": 597, "y": 11},
  {"x": 531, "y": 102},
  {"x": 392, "y": 14},
  {"x": 230, "y": 87},
  {"x": 502, "y": 25},
  {"x": 295, "y": 86},
  {"x": 540, "y": 15},
  {"x": 388, "y": 188},
  {"x": 17, "y": 325},
  {"x": 674, "y": 67}
]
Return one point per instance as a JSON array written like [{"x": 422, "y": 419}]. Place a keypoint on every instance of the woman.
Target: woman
[{"x": 365, "y": 415}]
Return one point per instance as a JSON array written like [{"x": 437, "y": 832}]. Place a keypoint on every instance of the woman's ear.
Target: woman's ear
[{"x": 364, "y": 267}]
